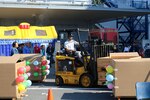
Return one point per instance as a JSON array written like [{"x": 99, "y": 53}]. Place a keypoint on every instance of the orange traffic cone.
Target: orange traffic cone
[{"x": 50, "y": 95}]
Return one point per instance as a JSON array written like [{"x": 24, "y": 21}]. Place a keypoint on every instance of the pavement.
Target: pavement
[{"x": 39, "y": 91}]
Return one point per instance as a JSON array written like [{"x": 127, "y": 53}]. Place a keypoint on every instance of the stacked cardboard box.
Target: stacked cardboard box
[
  {"x": 8, "y": 75},
  {"x": 129, "y": 68},
  {"x": 128, "y": 72},
  {"x": 104, "y": 61},
  {"x": 101, "y": 64},
  {"x": 125, "y": 55},
  {"x": 36, "y": 70}
]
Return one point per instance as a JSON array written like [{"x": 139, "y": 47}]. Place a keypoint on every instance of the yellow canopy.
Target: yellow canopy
[
  {"x": 34, "y": 32},
  {"x": 12, "y": 32}
]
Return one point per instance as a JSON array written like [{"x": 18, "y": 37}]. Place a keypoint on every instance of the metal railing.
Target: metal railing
[
  {"x": 140, "y": 4},
  {"x": 59, "y": 2},
  {"x": 111, "y": 3},
  {"x": 103, "y": 50}
]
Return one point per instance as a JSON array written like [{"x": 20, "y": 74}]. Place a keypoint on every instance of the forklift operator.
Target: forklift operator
[{"x": 70, "y": 46}]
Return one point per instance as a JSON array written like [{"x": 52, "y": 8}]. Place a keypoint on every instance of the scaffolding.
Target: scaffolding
[{"x": 133, "y": 29}]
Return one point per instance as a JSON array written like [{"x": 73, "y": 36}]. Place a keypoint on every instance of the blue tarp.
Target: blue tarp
[{"x": 6, "y": 45}]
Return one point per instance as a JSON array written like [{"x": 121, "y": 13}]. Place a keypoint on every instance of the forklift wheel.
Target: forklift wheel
[
  {"x": 59, "y": 81},
  {"x": 86, "y": 80}
]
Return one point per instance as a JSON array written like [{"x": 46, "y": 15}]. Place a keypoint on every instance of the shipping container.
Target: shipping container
[{"x": 108, "y": 35}]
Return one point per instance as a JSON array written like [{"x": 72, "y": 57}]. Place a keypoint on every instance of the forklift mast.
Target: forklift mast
[{"x": 91, "y": 67}]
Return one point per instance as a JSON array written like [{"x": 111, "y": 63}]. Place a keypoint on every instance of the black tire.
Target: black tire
[
  {"x": 86, "y": 80},
  {"x": 59, "y": 81}
]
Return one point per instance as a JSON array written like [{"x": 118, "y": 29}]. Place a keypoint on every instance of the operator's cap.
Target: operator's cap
[{"x": 70, "y": 35}]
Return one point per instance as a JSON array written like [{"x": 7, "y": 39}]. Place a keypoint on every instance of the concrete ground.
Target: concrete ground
[{"x": 39, "y": 91}]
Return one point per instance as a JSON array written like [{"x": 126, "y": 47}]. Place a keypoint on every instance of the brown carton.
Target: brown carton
[
  {"x": 104, "y": 61},
  {"x": 101, "y": 82},
  {"x": 101, "y": 75},
  {"x": 32, "y": 58},
  {"x": 124, "y": 55},
  {"x": 127, "y": 73},
  {"x": 101, "y": 65},
  {"x": 8, "y": 75},
  {"x": 136, "y": 57}
]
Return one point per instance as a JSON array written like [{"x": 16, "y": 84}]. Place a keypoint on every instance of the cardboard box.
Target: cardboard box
[
  {"x": 101, "y": 64},
  {"x": 128, "y": 72},
  {"x": 101, "y": 77},
  {"x": 124, "y": 55},
  {"x": 136, "y": 57},
  {"x": 8, "y": 75},
  {"x": 104, "y": 61},
  {"x": 32, "y": 58},
  {"x": 101, "y": 82}
]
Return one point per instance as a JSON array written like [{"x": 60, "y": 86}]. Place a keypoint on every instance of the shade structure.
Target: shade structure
[
  {"x": 58, "y": 14},
  {"x": 12, "y": 32},
  {"x": 33, "y": 32}
]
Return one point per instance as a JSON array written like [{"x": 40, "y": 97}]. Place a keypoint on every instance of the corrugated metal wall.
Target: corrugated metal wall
[
  {"x": 6, "y": 45},
  {"x": 5, "y": 49}
]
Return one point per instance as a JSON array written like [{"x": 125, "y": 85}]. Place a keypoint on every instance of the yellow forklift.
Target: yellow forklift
[{"x": 69, "y": 70}]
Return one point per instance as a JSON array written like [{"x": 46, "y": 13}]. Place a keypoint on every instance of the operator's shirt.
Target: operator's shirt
[{"x": 70, "y": 45}]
